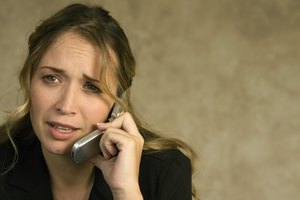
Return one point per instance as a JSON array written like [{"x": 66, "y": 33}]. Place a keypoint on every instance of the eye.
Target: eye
[
  {"x": 51, "y": 79},
  {"x": 92, "y": 88}
]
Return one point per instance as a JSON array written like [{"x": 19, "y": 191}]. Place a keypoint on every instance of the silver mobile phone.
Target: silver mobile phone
[{"x": 88, "y": 146}]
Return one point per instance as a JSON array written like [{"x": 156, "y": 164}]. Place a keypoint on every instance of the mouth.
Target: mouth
[{"x": 64, "y": 128}]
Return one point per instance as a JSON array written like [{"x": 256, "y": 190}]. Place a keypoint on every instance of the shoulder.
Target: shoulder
[
  {"x": 7, "y": 154},
  {"x": 165, "y": 175},
  {"x": 6, "y": 160},
  {"x": 166, "y": 157},
  {"x": 163, "y": 163},
  {"x": 10, "y": 151}
]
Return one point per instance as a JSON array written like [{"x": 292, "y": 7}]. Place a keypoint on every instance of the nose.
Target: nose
[{"x": 66, "y": 103}]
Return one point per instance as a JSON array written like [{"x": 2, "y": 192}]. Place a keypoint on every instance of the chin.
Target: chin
[{"x": 58, "y": 148}]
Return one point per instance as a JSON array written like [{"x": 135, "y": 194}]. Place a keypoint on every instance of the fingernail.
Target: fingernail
[{"x": 100, "y": 124}]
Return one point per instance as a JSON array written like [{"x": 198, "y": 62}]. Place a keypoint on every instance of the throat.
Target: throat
[
  {"x": 72, "y": 193},
  {"x": 69, "y": 180},
  {"x": 79, "y": 189}
]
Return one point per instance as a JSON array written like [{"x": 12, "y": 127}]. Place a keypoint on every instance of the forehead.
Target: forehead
[
  {"x": 71, "y": 52},
  {"x": 73, "y": 42},
  {"x": 72, "y": 48},
  {"x": 73, "y": 38}
]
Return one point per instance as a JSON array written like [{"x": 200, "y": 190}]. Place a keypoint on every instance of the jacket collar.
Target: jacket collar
[{"x": 30, "y": 173}]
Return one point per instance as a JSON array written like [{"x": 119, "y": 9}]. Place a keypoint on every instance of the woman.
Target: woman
[{"x": 78, "y": 66}]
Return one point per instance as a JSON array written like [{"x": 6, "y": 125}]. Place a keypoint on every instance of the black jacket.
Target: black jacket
[{"x": 164, "y": 175}]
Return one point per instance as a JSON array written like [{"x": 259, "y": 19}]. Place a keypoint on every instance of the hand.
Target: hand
[{"x": 121, "y": 145}]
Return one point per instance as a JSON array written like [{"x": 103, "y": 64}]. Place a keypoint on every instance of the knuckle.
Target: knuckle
[
  {"x": 106, "y": 134},
  {"x": 109, "y": 131},
  {"x": 127, "y": 115},
  {"x": 141, "y": 139}
]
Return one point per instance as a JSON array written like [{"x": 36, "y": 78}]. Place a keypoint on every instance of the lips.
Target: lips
[
  {"x": 60, "y": 130},
  {"x": 62, "y": 127}
]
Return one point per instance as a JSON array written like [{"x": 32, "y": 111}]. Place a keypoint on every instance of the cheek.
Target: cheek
[
  {"x": 37, "y": 99},
  {"x": 37, "y": 106},
  {"x": 97, "y": 111},
  {"x": 40, "y": 102}
]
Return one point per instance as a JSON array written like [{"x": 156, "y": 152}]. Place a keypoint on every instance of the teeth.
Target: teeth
[{"x": 63, "y": 129}]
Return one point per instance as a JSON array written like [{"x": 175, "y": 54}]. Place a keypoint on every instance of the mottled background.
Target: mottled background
[{"x": 223, "y": 75}]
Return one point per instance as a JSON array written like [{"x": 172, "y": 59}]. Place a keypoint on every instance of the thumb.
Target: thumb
[{"x": 97, "y": 160}]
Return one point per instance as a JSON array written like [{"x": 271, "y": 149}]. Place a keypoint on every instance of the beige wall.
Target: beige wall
[{"x": 222, "y": 75}]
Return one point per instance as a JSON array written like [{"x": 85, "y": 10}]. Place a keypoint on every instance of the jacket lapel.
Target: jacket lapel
[
  {"x": 31, "y": 178},
  {"x": 30, "y": 174}
]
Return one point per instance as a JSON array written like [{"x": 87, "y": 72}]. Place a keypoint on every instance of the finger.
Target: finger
[
  {"x": 124, "y": 121},
  {"x": 110, "y": 140},
  {"x": 119, "y": 140},
  {"x": 108, "y": 150},
  {"x": 97, "y": 160}
]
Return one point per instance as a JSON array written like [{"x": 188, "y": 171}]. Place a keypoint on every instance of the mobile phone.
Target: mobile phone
[{"x": 88, "y": 146}]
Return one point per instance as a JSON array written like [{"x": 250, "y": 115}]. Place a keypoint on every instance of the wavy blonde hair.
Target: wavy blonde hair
[{"x": 97, "y": 26}]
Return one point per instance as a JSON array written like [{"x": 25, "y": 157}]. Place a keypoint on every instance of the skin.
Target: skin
[{"x": 66, "y": 104}]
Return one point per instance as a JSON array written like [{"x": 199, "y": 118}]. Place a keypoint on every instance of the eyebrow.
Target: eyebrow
[
  {"x": 57, "y": 70},
  {"x": 53, "y": 69}
]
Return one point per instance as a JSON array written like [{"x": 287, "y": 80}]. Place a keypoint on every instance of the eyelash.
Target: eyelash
[
  {"x": 88, "y": 86},
  {"x": 49, "y": 78},
  {"x": 94, "y": 88}
]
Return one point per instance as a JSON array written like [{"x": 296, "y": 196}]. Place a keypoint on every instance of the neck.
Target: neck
[{"x": 65, "y": 173}]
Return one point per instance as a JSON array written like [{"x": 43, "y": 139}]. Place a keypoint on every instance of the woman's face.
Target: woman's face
[{"x": 66, "y": 100}]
